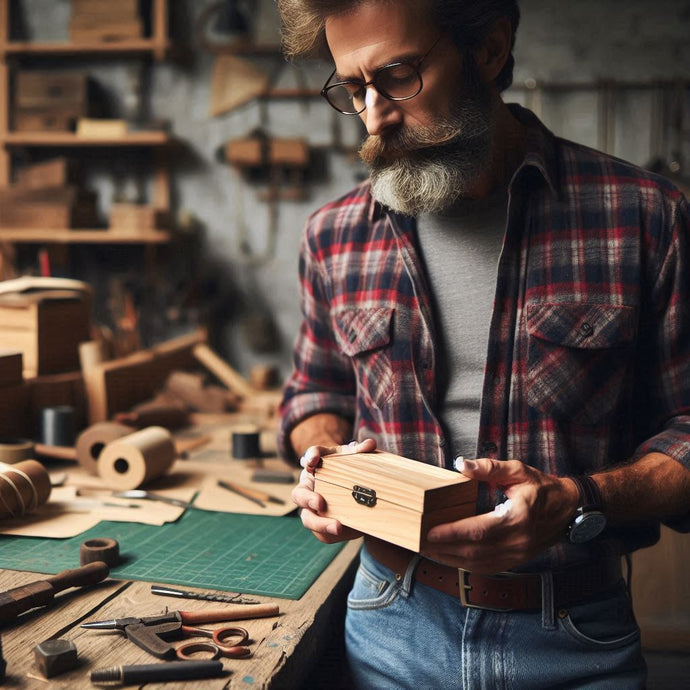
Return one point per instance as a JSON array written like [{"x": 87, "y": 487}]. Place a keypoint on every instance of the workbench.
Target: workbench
[{"x": 285, "y": 648}]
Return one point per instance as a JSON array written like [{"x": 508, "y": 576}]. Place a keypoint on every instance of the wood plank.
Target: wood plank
[
  {"x": 81, "y": 236},
  {"x": 69, "y": 49},
  {"x": 153, "y": 138}
]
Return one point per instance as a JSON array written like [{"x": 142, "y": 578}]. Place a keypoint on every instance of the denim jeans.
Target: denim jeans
[{"x": 401, "y": 634}]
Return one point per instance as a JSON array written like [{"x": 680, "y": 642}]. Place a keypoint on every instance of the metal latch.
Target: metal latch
[{"x": 364, "y": 496}]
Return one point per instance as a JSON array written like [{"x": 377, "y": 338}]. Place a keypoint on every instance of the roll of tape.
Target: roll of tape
[
  {"x": 100, "y": 549},
  {"x": 24, "y": 487},
  {"x": 57, "y": 425},
  {"x": 15, "y": 450},
  {"x": 92, "y": 441},
  {"x": 245, "y": 442},
  {"x": 133, "y": 460}
]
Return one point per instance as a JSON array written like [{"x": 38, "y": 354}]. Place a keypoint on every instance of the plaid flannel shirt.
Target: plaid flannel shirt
[{"x": 588, "y": 362}]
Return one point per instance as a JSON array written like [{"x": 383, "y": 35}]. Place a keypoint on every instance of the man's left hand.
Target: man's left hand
[{"x": 536, "y": 515}]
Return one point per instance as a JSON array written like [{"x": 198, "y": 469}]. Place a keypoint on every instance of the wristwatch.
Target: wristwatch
[{"x": 590, "y": 520}]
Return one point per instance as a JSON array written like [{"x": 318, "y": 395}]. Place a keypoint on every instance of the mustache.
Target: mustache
[{"x": 378, "y": 149}]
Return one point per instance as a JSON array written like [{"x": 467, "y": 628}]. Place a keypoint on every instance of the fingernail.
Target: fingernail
[
  {"x": 459, "y": 463},
  {"x": 314, "y": 504}
]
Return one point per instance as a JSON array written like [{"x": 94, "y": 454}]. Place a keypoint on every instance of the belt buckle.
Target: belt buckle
[{"x": 466, "y": 587}]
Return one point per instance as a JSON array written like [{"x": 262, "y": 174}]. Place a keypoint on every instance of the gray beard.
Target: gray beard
[{"x": 432, "y": 178}]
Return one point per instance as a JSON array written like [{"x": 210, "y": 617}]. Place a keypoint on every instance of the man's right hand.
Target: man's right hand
[{"x": 311, "y": 504}]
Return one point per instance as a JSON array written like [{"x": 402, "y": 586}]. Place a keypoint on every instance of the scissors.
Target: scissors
[{"x": 227, "y": 641}]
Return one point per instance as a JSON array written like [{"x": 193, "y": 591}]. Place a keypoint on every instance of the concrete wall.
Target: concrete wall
[{"x": 559, "y": 43}]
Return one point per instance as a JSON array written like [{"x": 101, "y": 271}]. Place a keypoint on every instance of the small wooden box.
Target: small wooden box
[{"x": 391, "y": 497}]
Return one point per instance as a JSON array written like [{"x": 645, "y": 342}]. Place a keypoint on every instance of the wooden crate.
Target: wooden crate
[
  {"x": 391, "y": 497},
  {"x": 46, "y": 327},
  {"x": 63, "y": 119}
]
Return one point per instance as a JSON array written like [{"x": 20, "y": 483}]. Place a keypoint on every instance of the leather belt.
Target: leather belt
[{"x": 503, "y": 591}]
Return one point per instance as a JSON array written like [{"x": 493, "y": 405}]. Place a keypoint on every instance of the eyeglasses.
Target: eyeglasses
[{"x": 398, "y": 81}]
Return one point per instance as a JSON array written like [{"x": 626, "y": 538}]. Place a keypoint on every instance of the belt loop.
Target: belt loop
[
  {"x": 406, "y": 585},
  {"x": 548, "y": 615}
]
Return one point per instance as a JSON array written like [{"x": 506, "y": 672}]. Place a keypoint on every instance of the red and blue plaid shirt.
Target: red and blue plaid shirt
[{"x": 588, "y": 362}]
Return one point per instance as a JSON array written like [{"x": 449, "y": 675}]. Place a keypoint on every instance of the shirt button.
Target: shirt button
[
  {"x": 586, "y": 329},
  {"x": 489, "y": 447}
]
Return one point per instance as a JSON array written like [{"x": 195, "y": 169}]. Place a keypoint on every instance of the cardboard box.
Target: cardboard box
[
  {"x": 47, "y": 327},
  {"x": 391, "y": 497}
]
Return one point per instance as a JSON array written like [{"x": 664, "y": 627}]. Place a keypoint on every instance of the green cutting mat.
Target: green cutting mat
[{"x": 254, "y": 554}]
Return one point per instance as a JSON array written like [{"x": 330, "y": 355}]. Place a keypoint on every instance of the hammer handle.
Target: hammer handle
[{"x": 16, "y": 601}]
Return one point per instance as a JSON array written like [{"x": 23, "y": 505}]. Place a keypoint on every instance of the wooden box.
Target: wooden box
[
  {"x": 391, "y": 497},
  {"x": 47, "y": 328},
  {"x": 52, "y": 89},
  {"x": 137, "y": 217}
]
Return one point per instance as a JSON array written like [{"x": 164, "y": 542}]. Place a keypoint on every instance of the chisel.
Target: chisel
[{"x": 15, "y": 601}]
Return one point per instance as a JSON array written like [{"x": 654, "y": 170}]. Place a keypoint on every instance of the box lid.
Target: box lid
[{"x": 410, "y": 483}]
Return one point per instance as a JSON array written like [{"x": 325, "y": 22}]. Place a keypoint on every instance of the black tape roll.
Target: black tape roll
[
  {"x": 57, "y": 425},
  {"x": 245, "y": 443}
]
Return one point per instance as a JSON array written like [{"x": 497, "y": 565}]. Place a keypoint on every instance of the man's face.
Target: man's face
[{"x": 425, "y": 152}]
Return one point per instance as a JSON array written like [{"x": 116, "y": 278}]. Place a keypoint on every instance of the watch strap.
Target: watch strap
[{"x": 589, "y": 494}]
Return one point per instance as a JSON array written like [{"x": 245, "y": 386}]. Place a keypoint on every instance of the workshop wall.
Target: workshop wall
[{"x": 246, "y": 274}]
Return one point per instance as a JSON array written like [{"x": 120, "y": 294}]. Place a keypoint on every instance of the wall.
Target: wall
[{"x": 558, "y": 42}]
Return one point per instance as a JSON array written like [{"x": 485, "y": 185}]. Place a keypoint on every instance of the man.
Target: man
[{"x": 497, "y": 293}]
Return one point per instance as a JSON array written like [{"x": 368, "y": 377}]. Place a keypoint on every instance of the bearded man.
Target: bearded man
[{"x": 497, "y": 293}]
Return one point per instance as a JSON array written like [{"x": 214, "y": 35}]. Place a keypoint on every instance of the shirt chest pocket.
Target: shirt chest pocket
[
  {"x": 364, "y": 335},
  {"x": 578, "y": 357}
]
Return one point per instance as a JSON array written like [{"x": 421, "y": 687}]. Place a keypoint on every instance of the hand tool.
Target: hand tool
[
  {"x": 250, "y": 493},
  {"x": 141, "y": 493},
  {"x": 150, "y": 633},
  {"x": 205, "y": 596},
  {"x": 152, "y": 673},
  {"x": 19, "y": 599},
  {"x": 220, "y": 645}
]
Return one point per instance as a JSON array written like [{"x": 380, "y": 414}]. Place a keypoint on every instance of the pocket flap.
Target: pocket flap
[
  {"x": 362, "y": 329},
  {"x": 587, "y": 326}
]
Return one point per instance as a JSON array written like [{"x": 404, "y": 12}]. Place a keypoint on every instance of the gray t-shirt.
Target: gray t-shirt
[{"x": 461, "y": 248}]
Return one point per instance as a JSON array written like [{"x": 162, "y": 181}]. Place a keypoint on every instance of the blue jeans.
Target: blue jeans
[{"x": 401, "y": 634}]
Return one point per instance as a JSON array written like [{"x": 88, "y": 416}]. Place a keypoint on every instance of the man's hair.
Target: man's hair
[{"x": 467, "y": 22}]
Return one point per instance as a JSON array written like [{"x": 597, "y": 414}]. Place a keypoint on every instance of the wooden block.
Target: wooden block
[
  {"x": 391, "y": 497},
  {"x": 106, "y": 8},
  {"x": 15, "y": 420},
  {"x": 57, "y": 172},
  {"x": 45, "y": 119},
  {"x": 86, "y": 31},
  {"x": 51, "y": 89},
  {"x": 137, "y": 217},
  {"x": 120, "y": 384},
  {"x": 47, "y": 328},
  {"x": 101, "y": 128},
  {"x": 10, "y": 368}
]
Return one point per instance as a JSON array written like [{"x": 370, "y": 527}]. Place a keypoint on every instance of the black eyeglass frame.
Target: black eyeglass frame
[{"x": 415, "y": 64}]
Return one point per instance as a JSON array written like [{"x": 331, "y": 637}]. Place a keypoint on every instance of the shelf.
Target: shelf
[
  {"x": 76, "y": 236},
  {"x": 67, "y": 49},
  {"x": 71, "y": 139}
]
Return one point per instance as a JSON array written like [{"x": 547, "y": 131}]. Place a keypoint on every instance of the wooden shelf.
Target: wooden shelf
[
  {"x": 153, "y": 138},
  {"x": 81, "y": 236},
  {"x": 66, "y": 48}
]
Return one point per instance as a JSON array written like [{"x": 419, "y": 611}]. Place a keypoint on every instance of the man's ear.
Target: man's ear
[{"x": 491, "y": 56}]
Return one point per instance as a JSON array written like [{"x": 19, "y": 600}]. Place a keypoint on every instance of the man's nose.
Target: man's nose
[{"x": 381, "y": 113}]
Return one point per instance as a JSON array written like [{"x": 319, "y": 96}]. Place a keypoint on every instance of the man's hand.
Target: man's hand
[
  {"x": 536, "y": 515},
  {"x": 311, "y": 504}
]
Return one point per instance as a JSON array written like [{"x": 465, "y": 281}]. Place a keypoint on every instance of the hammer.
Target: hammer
[{"x": 19, "y": 599}]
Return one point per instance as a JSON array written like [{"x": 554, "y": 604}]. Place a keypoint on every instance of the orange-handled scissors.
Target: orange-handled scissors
[{"x": 228, "y": 641}]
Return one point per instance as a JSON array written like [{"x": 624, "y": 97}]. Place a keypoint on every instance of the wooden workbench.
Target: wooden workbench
[{"x": 285, "y": 648}]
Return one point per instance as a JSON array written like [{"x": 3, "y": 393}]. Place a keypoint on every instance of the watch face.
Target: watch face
[{"x": 587, "y": 526}]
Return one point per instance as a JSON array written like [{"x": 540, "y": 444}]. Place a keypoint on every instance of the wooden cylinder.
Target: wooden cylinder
[
  {"x": 92, "y": 441},
  {"x": 24, "y": 487},
  {"x": 136, "y": 459}
]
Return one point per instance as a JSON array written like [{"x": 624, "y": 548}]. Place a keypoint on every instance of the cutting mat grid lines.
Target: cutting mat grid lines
[{"x": 271, "y": 556}]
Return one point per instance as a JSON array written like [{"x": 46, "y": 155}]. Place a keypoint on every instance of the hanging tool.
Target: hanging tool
[
  {"x": 205, "y": 596},
  {"x": 151, "y": 633},
  {"x": 20, "y": 599}
]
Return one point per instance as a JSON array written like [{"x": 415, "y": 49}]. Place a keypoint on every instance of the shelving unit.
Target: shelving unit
[{"x": 13, "y": 52}]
